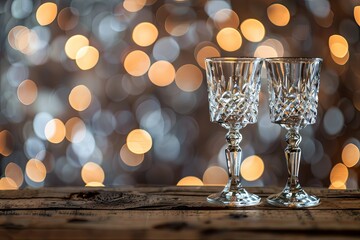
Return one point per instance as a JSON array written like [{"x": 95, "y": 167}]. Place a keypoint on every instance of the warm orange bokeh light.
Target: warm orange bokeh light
[
  {"x": 7, "y": 183},
  {"x": 23, "y": 39},
  {"x": 226, "y": 18},
  {"x": 14, "y": 34},
  {"x": 161, "y": 73},
  {"x": 74, "y": 44},
  {"x": 338, "y": 186},
  {"x": 129, "y": 158},
  {"x": 92, "y": 172},
  {"x": 46, "y": 13},
  {"x": 206, "y": 52},
  {"x": 340, "y": 61},
  {"x": 253, "y": 30},
  {"x": 55, "y": 131},
  {"x": 35, "y": 170},
  {"x": 264, "y": 51},
  {"x": 80, "y": 98},
  {"x": 229, "y": 39},
  {"x": 278, "y": 14},
  {"x": 338, "y": 45},
  {"x": 175, "y": 26},
  {"x": 215, "y": 176},
  {"x": 14, "y": 172},
  {"x": 139, "y": 141},
  {"x": 190, "y": 181},
  {"x": 188, "y": 77},
  {"x": 252, "y": 168},
  {"x": 134, "y": 5},
  {"x": 27, "y": 92},
  {"x": 339, "y": 175},
  {"x": 87, "y": 57},
  {"x": 145, "y": 34},
  {"x": 137, "y": 63},
  {"x": 75, "y": 130},
  {"x": 6, "y": 143},
  {"x": 67, "y": 18},
  {"x": 94, "y": 184},
  {"x": 357, "y": 14},
  {"x": 350, "y": 155}
]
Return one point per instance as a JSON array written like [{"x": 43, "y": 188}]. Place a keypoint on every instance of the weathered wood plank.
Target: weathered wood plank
[
  {"x": 150, "y": 198},
  {"x": 170, "y": 213},
  {"x": 178, "y": 224}
]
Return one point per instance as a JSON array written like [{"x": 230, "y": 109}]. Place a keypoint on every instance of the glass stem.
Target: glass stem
[
  {"x": 293, "y": 155},
  {"x": 233, "y": 158}
]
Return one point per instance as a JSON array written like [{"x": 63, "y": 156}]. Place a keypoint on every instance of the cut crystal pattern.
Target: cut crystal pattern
[
  {"x": 233, "y": 92},
  {"x": 293, "y": 89}
]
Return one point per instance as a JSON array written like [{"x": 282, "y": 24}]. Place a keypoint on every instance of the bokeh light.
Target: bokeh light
[
  {"x": 206, "y": 52},
  {"x": 338, "y": 45},
  {"x": 7, "y": 183},
  {"x": 80, "y": 98},
  {"x": 14, "y": 172},
  {"x": 75, "y": 130},
  {"x": 253, "y": 30},
  {"x": 226, "y": 18},
  {"x": 139, "y": 141},
  {"x": 23, "y": 39},
  {"x": 35, "y": 170},
  {"x": 350, "y": 155},
  {"x": 134, "y": 5},
  {"x": 94, "y": 184},
  {"x": 161, "y": 73},
  {"x": 92, "y": 173},
  {"x": 74, "y": 44},
  {"x": 145, "y": 34},
  {"x": 229, "y": 39},
  {"x": 190, "y": 181},
  {"x": 188, "y": 78},
  {"x": 6, "y": 143},
  {"x": 340, "y": 61},
  {"x": 87, "y": 57},
  {"x": 278, "y": 14},
  {"x": 68, "y": 18},
  {"x": 177, "y": 25},
  {"x": 130, "y": 158},
  {"x": 46, "y": 13},
  {"x": 27, "y": 92},
  {"x": 137, "y": 63},
  {"x": 55, "y": 131},
  {"x": 216, "y": 176},
  {"x": 357, "y": 14},
  {"x": 339, "y": 175},
  {"x": 252, "y": 168}
]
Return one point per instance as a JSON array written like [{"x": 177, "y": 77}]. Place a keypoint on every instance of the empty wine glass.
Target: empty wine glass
[
  {"x": 233, "y": 94},
  {"x": 293, "y": 88}
]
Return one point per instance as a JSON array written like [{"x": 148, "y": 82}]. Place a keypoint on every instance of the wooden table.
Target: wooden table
[{"x": 170, "y": 213}]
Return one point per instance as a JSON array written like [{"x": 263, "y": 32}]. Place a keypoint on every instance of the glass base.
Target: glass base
[
  {"x": 234, "y": 198},
  {"x": 296, "y": 198}
]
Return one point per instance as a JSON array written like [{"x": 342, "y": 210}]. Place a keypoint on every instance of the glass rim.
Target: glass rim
[
  {"x": 293, "y": 59},
  {"x": 233, "y": 59}
]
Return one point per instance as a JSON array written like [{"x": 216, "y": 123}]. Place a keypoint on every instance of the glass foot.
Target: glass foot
[
  {"x": 293, "y": 199},
  {"x": 234, "y": 198}
]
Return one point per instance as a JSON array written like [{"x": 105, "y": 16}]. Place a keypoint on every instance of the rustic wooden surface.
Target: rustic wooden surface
[{"x": 170, "y": 213}]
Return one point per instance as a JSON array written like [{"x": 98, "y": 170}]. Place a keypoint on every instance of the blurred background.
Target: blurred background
[{"x": 109, "y": 93}]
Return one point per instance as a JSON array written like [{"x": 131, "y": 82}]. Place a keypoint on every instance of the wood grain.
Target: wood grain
[{"x": 170, "y": 213}]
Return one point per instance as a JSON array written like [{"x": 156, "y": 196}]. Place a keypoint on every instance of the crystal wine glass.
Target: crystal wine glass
[
  {"x": 293, "y": 88},
  {"x": 233, "y": 94}
]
